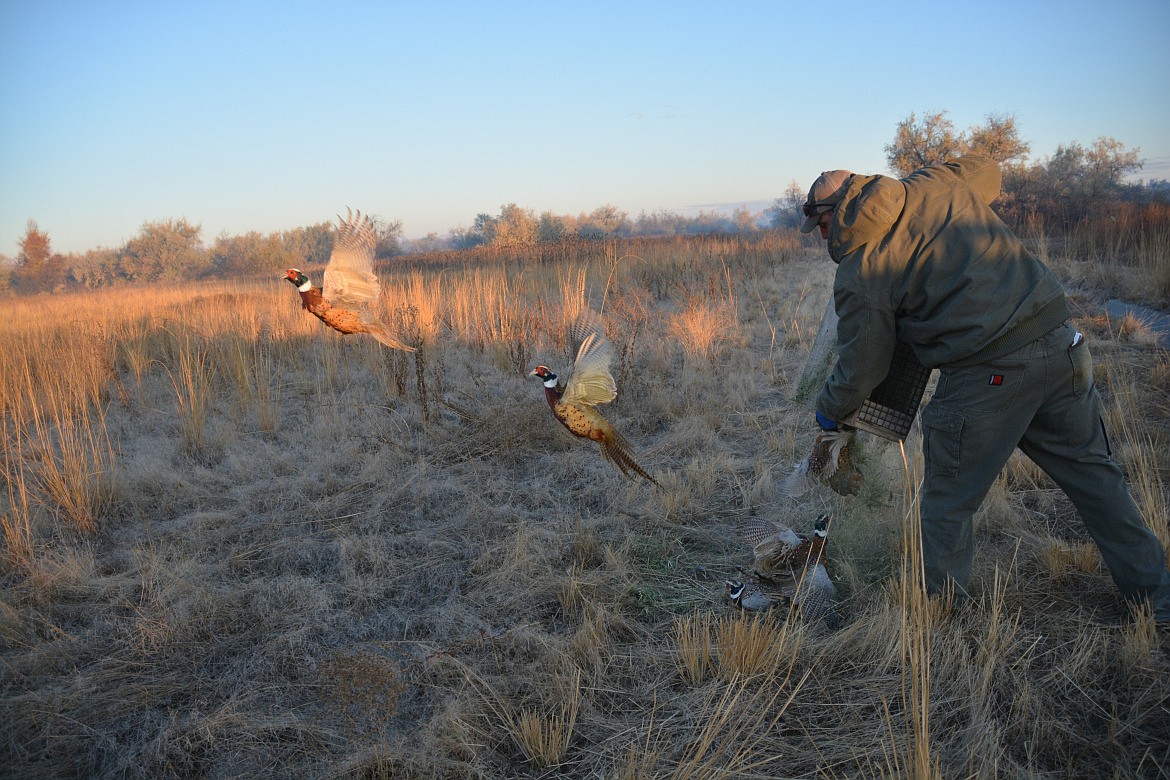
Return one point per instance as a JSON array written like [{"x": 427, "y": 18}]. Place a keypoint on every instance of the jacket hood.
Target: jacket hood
[{"x": 871, "y": 206}]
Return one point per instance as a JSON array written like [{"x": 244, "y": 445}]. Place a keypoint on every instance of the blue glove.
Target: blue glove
[{"x": 825, "y": 423}]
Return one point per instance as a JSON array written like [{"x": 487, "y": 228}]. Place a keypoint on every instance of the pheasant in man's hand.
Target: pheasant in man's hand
[{"x": 829, "y": 463}]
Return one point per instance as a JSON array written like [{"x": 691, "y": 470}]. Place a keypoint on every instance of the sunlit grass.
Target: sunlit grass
[{"x": 255, "y": 543}]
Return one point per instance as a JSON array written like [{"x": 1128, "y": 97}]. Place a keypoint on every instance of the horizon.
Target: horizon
[{"x": 266, "y": 118}]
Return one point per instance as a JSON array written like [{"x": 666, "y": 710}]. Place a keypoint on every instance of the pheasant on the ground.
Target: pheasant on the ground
[
  {"x": 350, "y": 288},
  {"x": 810, "y": 591},
  {"x": 791, "y": 570},
  {"x": 755, "y": 596},
  {"x": 777, "y": 549},
  {"x": 574, "y": 401}
]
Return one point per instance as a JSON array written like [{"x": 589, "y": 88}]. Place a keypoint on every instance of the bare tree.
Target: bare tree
[
  {"x": 515, "y": 226},
  {"x": 251, "y": 253},
  {"x": 389, "y": 233},
  {"x": 37, "y": 268},
  {"x": 95, "y": 268},
  {"x": 604, "y": 222},
  {"x": 785, "y": 210},
  {"x": 551, "y": 228},
  {"x": 168, "y": 249},
  {"x": 309, "y": 245},
  {"x": 998, "y": 139},
  {"x": 920, "y": 143}
]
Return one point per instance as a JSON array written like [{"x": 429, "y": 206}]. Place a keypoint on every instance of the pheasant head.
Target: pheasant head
[
  {"x": 821, "y": 526},
  {"x": 545, "y": 373},
  {"x": 735, "y": 590},
  {"x": 298, "y": 279},
  {"x": 553, "y": 387}
]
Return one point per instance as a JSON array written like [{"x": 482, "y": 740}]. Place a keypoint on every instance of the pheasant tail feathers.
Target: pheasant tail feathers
[
  {"x": 379, "y": 331},
  {"x": 618, "y": 453}
]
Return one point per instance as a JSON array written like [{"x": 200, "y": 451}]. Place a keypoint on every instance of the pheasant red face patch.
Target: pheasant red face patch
[{"x": 996, "y": 380}]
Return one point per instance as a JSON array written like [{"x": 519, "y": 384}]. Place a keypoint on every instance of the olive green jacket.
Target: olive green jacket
[{"x": 926, "y": 261}]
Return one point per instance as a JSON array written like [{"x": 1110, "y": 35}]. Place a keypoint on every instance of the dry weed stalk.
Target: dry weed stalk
[
  {"x": 1144, "y": 470},
  {"x": 16, "y": 522},
  {"x": 732, "y": 734},
  {"x": 707, "y": 318},
  {"x": 919, "y": 762},
  {"x": 1060, "y": 557},
  {"x": 1001, "y": 636},
  {"x": 543, "y": 734},
  {"x": 544, "y": 737},
  {"x": 640, "y": 758},
  {"x": 264, "y": 390},
  {"x": 570, "y": 593},
  {"x": 693, "y": 653},
  {"x": 74, "y": 465},
  {"x": 192, "y": 382},
  {"x": 1153, "y": 258},
  {"x": 751, "y": 644}
]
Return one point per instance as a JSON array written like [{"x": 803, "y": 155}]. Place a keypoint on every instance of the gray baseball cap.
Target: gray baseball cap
[{"x": 826, "y": 191}]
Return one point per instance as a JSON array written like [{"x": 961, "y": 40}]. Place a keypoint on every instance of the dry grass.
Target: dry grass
[{"x": 237, "y": 544}]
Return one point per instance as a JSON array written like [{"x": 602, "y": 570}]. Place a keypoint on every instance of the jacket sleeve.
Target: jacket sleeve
[{"x": 865, "y": 344}]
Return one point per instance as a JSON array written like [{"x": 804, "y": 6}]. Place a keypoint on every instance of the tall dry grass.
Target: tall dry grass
[{"x": 270, "y": 549}]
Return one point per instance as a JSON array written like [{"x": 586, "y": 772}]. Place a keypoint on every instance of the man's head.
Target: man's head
[{"x": 823, "y": 196}]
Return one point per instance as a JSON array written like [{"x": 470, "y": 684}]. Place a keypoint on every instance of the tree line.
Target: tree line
[
  {"x": 173, "y": 250},
  {"x": 1077, "y": 183}
]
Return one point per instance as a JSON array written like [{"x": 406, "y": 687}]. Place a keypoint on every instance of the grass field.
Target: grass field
[{"x": 237, "y": 544}]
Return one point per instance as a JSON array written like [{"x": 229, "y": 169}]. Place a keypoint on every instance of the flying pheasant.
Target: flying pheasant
[
  {"x": 777, "y": 549},
  {"x": 351, "y": 287},
  {"x": 574, "y": 401}
]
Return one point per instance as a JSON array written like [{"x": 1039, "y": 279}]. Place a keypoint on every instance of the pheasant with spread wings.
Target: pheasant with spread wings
[
  {"x": 351, "y": 289},
  {"x": 574, "y": 401}
]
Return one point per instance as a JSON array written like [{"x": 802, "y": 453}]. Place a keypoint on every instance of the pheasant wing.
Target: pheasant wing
[
  {"x": 590, "y": 381},
  {"x": 814, "y": 592},
  {"x": 349, "y": 277},
  {"x": 755, "y": 531}
]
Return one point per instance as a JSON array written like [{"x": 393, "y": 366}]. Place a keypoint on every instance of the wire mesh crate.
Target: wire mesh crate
[{"x": 890, "y": 409}]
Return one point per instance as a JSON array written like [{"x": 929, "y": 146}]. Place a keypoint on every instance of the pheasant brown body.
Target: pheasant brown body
[
  {"x": 574, "y": 402},
  {"x": 340, "y": 319}
]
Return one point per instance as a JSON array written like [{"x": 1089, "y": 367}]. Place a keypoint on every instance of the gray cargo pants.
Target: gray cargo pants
[{"x": 1040, "y": 398}]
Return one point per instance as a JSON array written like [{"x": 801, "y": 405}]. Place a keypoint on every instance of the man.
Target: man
[{"x": 924, "y": 260}]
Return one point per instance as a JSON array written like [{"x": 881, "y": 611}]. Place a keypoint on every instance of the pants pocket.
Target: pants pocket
[
  {"x": 1082, "y": 368},
  {"x": 942, "y": 440}
]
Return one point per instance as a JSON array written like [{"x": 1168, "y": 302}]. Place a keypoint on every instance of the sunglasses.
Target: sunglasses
[{"x": 810, "y": 209}]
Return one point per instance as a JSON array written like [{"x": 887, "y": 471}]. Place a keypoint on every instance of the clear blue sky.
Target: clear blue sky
[{"x": 266, "y": 116}]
